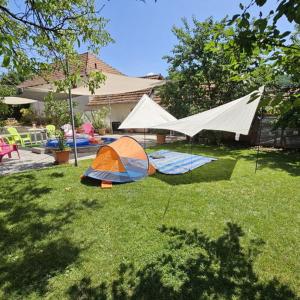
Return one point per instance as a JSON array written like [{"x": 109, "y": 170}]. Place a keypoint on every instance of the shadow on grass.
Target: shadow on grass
[
  {"x": 220, "y": 169},
  {"x": 288, "y": 161},
  {"x": 211, "y": 150},
  {"x": 37, "y": 265},
  {"x": 56, "y": 175},
  {"x": 32, "y": 248},
  {"x": 193, "y": 266},
  {"x": 88, "y": 181}
]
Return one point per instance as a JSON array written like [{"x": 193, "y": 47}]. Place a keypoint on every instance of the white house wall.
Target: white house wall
[
  {"x": 81, "y": 102},
  {"x": 118, "y": 112}
]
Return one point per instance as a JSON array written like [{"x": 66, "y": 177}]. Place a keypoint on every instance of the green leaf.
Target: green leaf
[
  {"x": 261, "y": 24},
  {"x": 277, "y": 100},
  {"x": 297, "y": 103},
  {"x": 286, "y": 33},
  {"x": 265, "y": 102},
  {"x": 260, "y": 2},
  {"x": 6, "y": 61},
  {"x": 233, "y": 19}
]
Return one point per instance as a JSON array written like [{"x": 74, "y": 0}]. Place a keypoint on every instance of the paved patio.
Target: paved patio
[{"x": 29, "y": 160}]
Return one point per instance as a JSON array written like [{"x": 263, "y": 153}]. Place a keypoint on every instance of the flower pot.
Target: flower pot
[
  {"x": 62, "y": 157},
  {"x": 102, "y": 131},
  {"x": 160, "y": 138}
]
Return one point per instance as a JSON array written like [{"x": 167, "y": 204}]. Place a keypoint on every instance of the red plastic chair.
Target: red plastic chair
[
  {"x": 6, "y": 149},
  {"x": 88, "y": 129}
]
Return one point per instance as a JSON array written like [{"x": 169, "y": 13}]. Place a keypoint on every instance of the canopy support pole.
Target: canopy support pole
[
  {"x": 110, "y": 118},
  {"x": 259, "y": 138},
  {"x": 72, "y": 117},
  {"x": 191, "y": 152}
]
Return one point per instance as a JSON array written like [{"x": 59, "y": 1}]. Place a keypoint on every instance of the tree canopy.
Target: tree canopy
[
  {"x": 214, "y": 62},
  {"x": 281, "y": 51},
  {"x": 8, "y": 87},
  {"x": 37, "y": 32},
  {"x": 201, "y": 72}
]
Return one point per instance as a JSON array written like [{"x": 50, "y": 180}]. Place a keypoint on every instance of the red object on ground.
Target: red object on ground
[
  {"x": 6, "y": 149},
  {"x": 94, "y": 140},
  {"x": 88, "y": 129},
  {"x": 106, "y": 184}
]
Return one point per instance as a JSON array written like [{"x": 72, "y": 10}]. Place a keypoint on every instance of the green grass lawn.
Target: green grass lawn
[{"x": 220, "y": 232}]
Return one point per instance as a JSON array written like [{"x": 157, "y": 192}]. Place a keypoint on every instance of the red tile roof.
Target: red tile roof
[
  {"x": 131, "y": 97},
  {"x": 89, "y": 63}
]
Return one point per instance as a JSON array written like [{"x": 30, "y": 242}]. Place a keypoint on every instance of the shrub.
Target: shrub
[
  {"x": 27, "y": 116},
  {"x": 56, "y": 111},
  {"x": 78, "y": 119},
  {"x": 99, "y": 117}
]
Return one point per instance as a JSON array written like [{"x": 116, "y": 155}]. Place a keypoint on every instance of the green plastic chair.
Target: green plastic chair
[
  {"x": 50, "y": 130},
  {"x": 16, "y": 137},
  {"x": 9, "y": 139}
]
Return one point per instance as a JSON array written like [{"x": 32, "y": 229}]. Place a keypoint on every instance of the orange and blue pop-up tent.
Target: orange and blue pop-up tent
[{"x": 121, "y": 161}]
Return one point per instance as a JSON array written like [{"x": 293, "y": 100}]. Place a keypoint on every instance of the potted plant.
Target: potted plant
[
  {"x": 62, "y": 153},
  {"x": 99, "y": 120},
  {"x": 78, "y": 121},
  {"x": 161, "y": 136}
]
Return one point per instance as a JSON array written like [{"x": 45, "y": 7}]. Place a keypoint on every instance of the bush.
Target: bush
[
  {"x": 5, "y": 112},
  {"x": 28, "y": 116},
  {"x": 56, "y": 111},
  {"x": 78, "y": 120},
  {"x": 99, "y": 118}
]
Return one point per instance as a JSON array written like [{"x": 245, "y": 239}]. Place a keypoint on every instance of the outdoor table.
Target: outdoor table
[{"x": 36, "y": 132}]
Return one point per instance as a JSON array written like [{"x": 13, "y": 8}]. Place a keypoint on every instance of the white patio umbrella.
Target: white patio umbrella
[{"x": 17, "y": 100}]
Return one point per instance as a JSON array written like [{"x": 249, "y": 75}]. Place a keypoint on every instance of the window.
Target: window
[{"x": 96, "y": 66}]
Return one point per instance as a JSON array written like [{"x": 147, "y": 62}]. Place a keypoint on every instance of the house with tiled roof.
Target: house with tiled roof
[
  {"x": 120, "y": 92},
  {"x": 89, "y": 63}
]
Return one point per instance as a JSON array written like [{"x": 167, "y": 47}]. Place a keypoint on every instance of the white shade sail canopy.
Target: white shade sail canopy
[
  {"x": 235, "y": 116},
  {"x": 146, "y": 114},
  {"x": 17, "y": 100},
  {"x": 114, "y": 84},
  {"x": 118, "y": 84}
]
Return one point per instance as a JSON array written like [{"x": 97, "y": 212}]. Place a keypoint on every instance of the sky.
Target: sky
[{"x": 142, "y": 31}]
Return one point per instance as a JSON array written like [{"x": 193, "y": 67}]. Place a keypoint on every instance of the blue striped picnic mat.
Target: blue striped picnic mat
[{"x": 171, "y": 162}]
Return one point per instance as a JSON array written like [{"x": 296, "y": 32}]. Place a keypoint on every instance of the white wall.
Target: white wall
[
  {"x": 82, "y": 102},
  {"x": 118, "y": 111}
]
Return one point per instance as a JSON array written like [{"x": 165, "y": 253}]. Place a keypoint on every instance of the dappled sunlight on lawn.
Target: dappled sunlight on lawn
[
  {"x": 193, "y": 266},
  {"x": 158, "y": 238}
]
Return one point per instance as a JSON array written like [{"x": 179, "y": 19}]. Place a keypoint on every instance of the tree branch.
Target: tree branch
[{"x": 40, "y": 25}]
